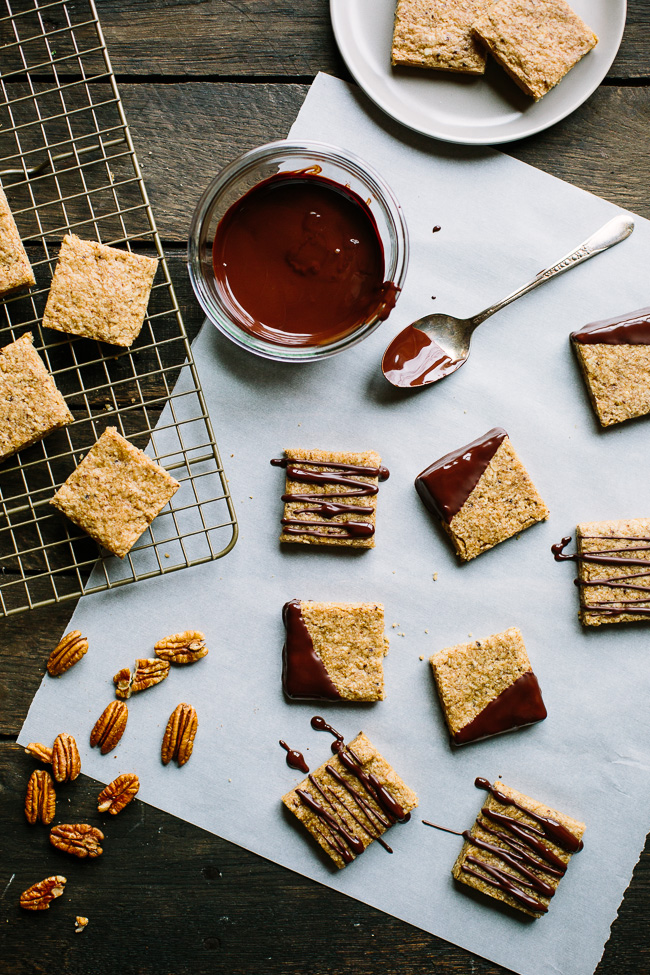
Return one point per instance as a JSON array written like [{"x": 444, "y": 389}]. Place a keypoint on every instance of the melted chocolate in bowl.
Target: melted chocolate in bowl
[{"x": 300, "y": 261}]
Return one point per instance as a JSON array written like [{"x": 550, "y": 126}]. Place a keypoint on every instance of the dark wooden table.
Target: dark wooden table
[{"x": 203, "y": 80}]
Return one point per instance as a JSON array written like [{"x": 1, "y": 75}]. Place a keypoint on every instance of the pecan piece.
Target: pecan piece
[
  {"x": 122, "y": 681},
  {"x": 40, "y": 801},
  {"x": 67, "y": 653},
  {"x": 79, "y": 839},
  {"x": 178, "y": 740},
  {"x": 66, "y": 764},
  {"x": 147, "y": 673},
  {"x": 39, "y": 896},
  {"x": 118, "y": 793},
  {"x": 182, "y": 648},
  {"x": 109, "y": 726},
  {"x": 79, "y": 924},
  {"x": 42, "y": 752}
]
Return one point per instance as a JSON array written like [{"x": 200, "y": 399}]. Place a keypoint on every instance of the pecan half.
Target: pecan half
[
  {"x": 109, "y": 726},
  {"x": 40, "y": 801},
  {"x": 178, "y": 740},
  {"x": 118, "y": 793},
  {"x": 66, "y": 764},
  {"x": 39, "y": 896},
  {"x": 67, "y": 653},
  {"x": 42, "y": 752},
  {"x": 122, "y": 681},
  {"x": 182, "y": 648},
  {"x": 147, "y": 673},
  {"x": 79, "y": 839}
]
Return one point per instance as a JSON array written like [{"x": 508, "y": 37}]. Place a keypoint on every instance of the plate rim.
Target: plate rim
[{"x": 336, "y": 6}]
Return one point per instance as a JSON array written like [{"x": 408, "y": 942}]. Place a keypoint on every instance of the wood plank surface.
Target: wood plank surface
[
  {"x": 262, "y": 38},
  {"x": 201, "y": 81}
]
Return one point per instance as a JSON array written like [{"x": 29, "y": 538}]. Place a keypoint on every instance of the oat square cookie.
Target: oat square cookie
[
  {"x": 536, "y": 41},
  {"x": 614, "y": 355},
  {"x": 15, "y": 270},
  {"x": 99, "y": 292},
  {"x": 487, "y": 687},
  {"x": 333, "y": 651},
  {"x": 330, "y": 497},
  {"x": 31, "y": 406},
  {"x": 438, "y": 34},
  {"x": 518, "y": 849},
  {"x": 613, "y": 559},
  {"x": 481, "y": 493},
  {"x": 115, "y": 492},
  {"x": 351, "y": 800}
]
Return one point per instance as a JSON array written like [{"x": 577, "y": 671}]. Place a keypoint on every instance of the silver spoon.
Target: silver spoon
[{"x": 437, "y": 345}]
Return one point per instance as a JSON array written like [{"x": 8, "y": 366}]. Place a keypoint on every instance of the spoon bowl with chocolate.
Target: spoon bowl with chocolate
[{"x": 437, "y": 345}]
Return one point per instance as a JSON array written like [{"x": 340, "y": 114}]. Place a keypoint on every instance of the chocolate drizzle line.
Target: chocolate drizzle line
[
  {"x": 304, "y": 675},
  {"x": 345, "y": 475},
  {"x": 295, "y": 759},
  {"x": 371, "y": 821},
  {"x": 550, "y": 827},
  {"x": 446, "y": 484},
  {"x": 625, "y": 581}
]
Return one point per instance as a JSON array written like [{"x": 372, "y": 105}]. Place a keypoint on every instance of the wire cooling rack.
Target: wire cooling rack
[{"x": 67, "y": 163}]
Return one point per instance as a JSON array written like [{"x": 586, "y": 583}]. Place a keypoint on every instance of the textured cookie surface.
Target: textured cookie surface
[
  {"x": 115, "y": 492},
  {"x": 15, "y": 270},
  {"x": 30, "y": 404},
  {"x": 487, "y": 687},
  {"x": 99, "y": 292},
  {"x": 334, "y": 792},
  {"x": 438, "y": 34},
  {"x": 535, "y": 41}
]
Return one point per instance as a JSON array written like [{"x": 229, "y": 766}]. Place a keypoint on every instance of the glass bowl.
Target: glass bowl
[{"x": 254, "y": 167}]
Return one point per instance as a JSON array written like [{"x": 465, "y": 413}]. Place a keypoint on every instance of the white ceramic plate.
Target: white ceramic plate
[{"x": 467, "y": 109}]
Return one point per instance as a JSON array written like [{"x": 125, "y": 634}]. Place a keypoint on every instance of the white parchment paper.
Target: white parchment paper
[{"x": 502, "y": 221}]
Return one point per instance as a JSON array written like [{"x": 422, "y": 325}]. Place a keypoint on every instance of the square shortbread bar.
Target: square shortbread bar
[
  {"x": 482, "y": 494},
  {"x": 345, "y": 811},
  {"x": 490, "y": 859},
  {"x": 487, "y": 687},
  {"x": 336, "y": 500},
  {"x": 535, "y": 41},
  {"x": 15, "y": 269},
  {"x": 333, "y": 651},
  {"x": 438, "y": 34},
  {"x": 30, "y": 404},
  {"x": 115, "y": 492},
  {"x": 614, "y": 355},
  {"x": 613, "y": 578},
  {"x": 99, "y": 292}
]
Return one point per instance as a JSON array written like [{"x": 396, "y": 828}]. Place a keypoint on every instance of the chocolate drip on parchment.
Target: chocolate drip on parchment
[
  {"x": 295, "y": 759},
  {"x": 364, "y": 795},
  {"x": 611, "y": 556},
  {"x": 346, "y": 476}
]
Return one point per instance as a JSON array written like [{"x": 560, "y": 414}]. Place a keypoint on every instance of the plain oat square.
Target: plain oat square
[
  {"x": 99, "y": 292},
  {"x": 332, "y": 794},
  {"x": 482, "y": 494},
  {"x": 487, "y": 687},
  {"x": 616, "y": 589},
  {"x": 326, "y": 512},
  {"x": 503, "y": 876},
  {"x": 536, "y": 41},
  {"x": 614, "y": 355},
  {"x": 438, "y": 34},
  {"x": 115, "y": 492},
  {"x": 15, "y": 270},
  {"x": 31, "y": 406},
  {"x": 333, "y": 651}
]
